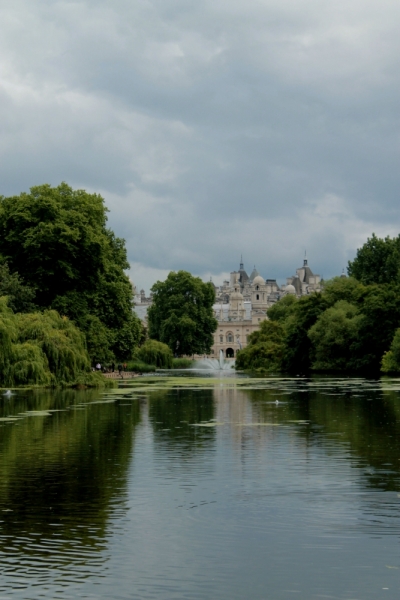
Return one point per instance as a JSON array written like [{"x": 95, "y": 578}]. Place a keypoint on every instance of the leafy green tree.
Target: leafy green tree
[
  {"x": 264, "y": 352},
  {"x": 56, "y": 239},
  {"x": 156, "y": 353},
  {"x": 391, "y": 358},
  {"x": 181, "y": 314},
  {"x": 298, "y": 346},
  {"x": 377, "y": 261},
  {"x": 333, "y": 337},
  {"x": 381, "y": 308},
  {"x": 282, "y": 309},
  {"x": 19, "y": 296},
  {"x": 43, "y": 349},
  {"x": 343, "y": 288}
]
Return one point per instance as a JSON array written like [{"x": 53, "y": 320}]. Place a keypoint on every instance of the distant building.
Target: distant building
[{"x": 242, "y": 304}]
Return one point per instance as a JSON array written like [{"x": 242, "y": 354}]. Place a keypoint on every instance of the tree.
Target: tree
[
  {"x": 56, "y": 239},
  {"x": 377, "y": 261},
  {"x": 156, "y": 353},
  {"x": 264, "y": 351},
  {"x": 19, "y": 296},
  {"x": 181, "y": 314},
  {"x": 297, "y": 352},
  {"x": 334, "y": 337},
  {"x": 391, "y": 358},
  {"x": 381, "y": 308},
  {"x": 282, "y": 309}
]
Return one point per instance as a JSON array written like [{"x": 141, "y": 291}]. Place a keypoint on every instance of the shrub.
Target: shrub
[
  {"x": 156, "y": 353},
  {"x": 182, "y": 363}
]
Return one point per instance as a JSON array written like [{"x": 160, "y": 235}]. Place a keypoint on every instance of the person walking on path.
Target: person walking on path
[
  {"x": 120, "y": 369},
  {"x": 113, "y": 367}
]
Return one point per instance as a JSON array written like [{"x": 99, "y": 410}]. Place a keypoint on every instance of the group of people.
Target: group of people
[{"x": 111, "y": 369}]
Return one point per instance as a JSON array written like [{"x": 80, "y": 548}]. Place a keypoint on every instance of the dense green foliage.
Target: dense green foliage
[
  {"x": 137, "y": 366},
  {"x": 391, "y": 358},
  {"x": 20, "y": 296},
  {"x": 377, "y": 261},
  {"x": 182, "y": 363},
  {"x": 156, "y": 353},
  {"x": 353, "y": 325},
  {"x": 42, "y": 349},
  {"x": 333, "y": 337},
  {"x": 264, "y": 351},
  {"x": 181, "y": 315},
  {"x": 58, "y": 254}
]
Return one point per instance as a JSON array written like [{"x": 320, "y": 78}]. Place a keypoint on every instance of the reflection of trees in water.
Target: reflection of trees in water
[
  {"x": 368, "y": 425},
  {"x": 63, "y": 476},
  {"x": 172, "y": 413}
]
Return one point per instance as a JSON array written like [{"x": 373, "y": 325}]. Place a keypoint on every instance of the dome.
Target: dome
[
  {"x": 258, "y": 280},
  {"x": 289, "y": 289}
]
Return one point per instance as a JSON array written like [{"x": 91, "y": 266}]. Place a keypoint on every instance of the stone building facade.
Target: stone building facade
[{"x": 242, "y": 304}]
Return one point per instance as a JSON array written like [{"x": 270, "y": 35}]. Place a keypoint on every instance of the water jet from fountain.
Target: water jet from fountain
[{"x": 215, "y": 364}]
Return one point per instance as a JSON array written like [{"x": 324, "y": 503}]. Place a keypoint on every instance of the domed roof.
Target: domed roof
[
  {"x": 289, "y": 289},
  {"x": 258, "y": 280}
]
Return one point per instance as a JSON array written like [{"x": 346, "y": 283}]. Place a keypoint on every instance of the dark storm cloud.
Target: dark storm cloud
[{"x": 211, "y": 128}]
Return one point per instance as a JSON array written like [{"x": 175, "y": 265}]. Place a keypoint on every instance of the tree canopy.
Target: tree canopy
[
  {"x": 42, "y": 349},
  {"x": 264, "y": 351},
  {"x": 56, "y": 240},
  {"x": 377, "y": 261},
  {"x": 181, "y": 314}
]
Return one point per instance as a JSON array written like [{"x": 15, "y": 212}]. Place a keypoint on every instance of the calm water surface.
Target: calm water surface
[{"x": 194, "y": 488}]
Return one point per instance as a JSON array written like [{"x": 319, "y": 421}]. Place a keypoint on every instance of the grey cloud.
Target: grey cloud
[{"x": 211, "y": 128}]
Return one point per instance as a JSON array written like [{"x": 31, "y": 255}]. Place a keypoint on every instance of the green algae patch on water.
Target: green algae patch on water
[
  {"x": 36, "y": 413},
  {"x": 206, "y": 424},
  {"x": 259, "y": 425}
]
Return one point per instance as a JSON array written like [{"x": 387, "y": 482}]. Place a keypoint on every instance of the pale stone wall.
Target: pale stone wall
[{"x": 230, "y": 333}]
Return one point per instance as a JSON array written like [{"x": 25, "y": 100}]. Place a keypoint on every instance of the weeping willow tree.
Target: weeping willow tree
[
  {"x": 42, "y": 349},
  {"x": 8, "y": 333},
  {"x": 156, "y": 353}
]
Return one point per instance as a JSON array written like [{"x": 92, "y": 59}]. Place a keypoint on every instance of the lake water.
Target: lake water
[{"x": 190, "y": 488}]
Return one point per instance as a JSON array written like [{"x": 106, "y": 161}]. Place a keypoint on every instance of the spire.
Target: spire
[
  {"x": 241, "y": 263},
  {"x": 305, "y": 258}
]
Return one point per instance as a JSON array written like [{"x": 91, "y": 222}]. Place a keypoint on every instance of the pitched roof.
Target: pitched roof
[{"x": 254, "y": 274}]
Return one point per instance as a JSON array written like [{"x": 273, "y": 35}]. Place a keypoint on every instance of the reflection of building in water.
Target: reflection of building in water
[
  {"x": 243, "y": 301},
  {"x": 236, "y": 407}
]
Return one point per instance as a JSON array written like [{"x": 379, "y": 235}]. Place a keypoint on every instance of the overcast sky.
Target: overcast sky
[{"x": 212, "y": 128}]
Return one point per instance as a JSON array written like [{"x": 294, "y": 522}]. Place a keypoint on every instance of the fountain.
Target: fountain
[{"x": 215, "y": 364}]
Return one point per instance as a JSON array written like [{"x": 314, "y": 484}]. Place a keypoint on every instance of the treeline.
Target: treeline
[
  {"x": 69, "y": 302},
  {"x": 352, "y": 326}
]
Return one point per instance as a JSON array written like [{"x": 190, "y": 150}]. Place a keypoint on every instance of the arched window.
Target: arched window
[
  {"x": 257, "y": 287},
  {"x": 221, "y": 338},
  {"x": 229, "y": 337},
  {"x": 258, "y": 296}
]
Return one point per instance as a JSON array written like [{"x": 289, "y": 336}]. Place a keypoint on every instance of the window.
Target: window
[
  {"x": 258, "y": 296},
  {"x": 229, "y": 337},
  {"x": 221, "y": 338},
  {"x": 257, "y": 288}
]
